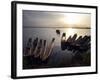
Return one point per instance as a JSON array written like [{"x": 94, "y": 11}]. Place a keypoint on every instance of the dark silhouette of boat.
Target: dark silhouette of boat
[{"x": 80, "y": 44}]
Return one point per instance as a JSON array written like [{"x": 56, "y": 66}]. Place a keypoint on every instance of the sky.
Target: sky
[{"x": 55, "y": 19}]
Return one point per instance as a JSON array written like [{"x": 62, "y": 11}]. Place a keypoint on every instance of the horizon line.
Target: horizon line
[{"x": 60, "y": 27}]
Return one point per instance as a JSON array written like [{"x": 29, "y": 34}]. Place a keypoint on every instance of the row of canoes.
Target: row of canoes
[
  {"x": 75, "y": 43},
  {"x": 39, "y": 48}
]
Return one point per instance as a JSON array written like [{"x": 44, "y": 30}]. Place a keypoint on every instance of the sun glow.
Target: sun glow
[{"x": 72, "y": 19}]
